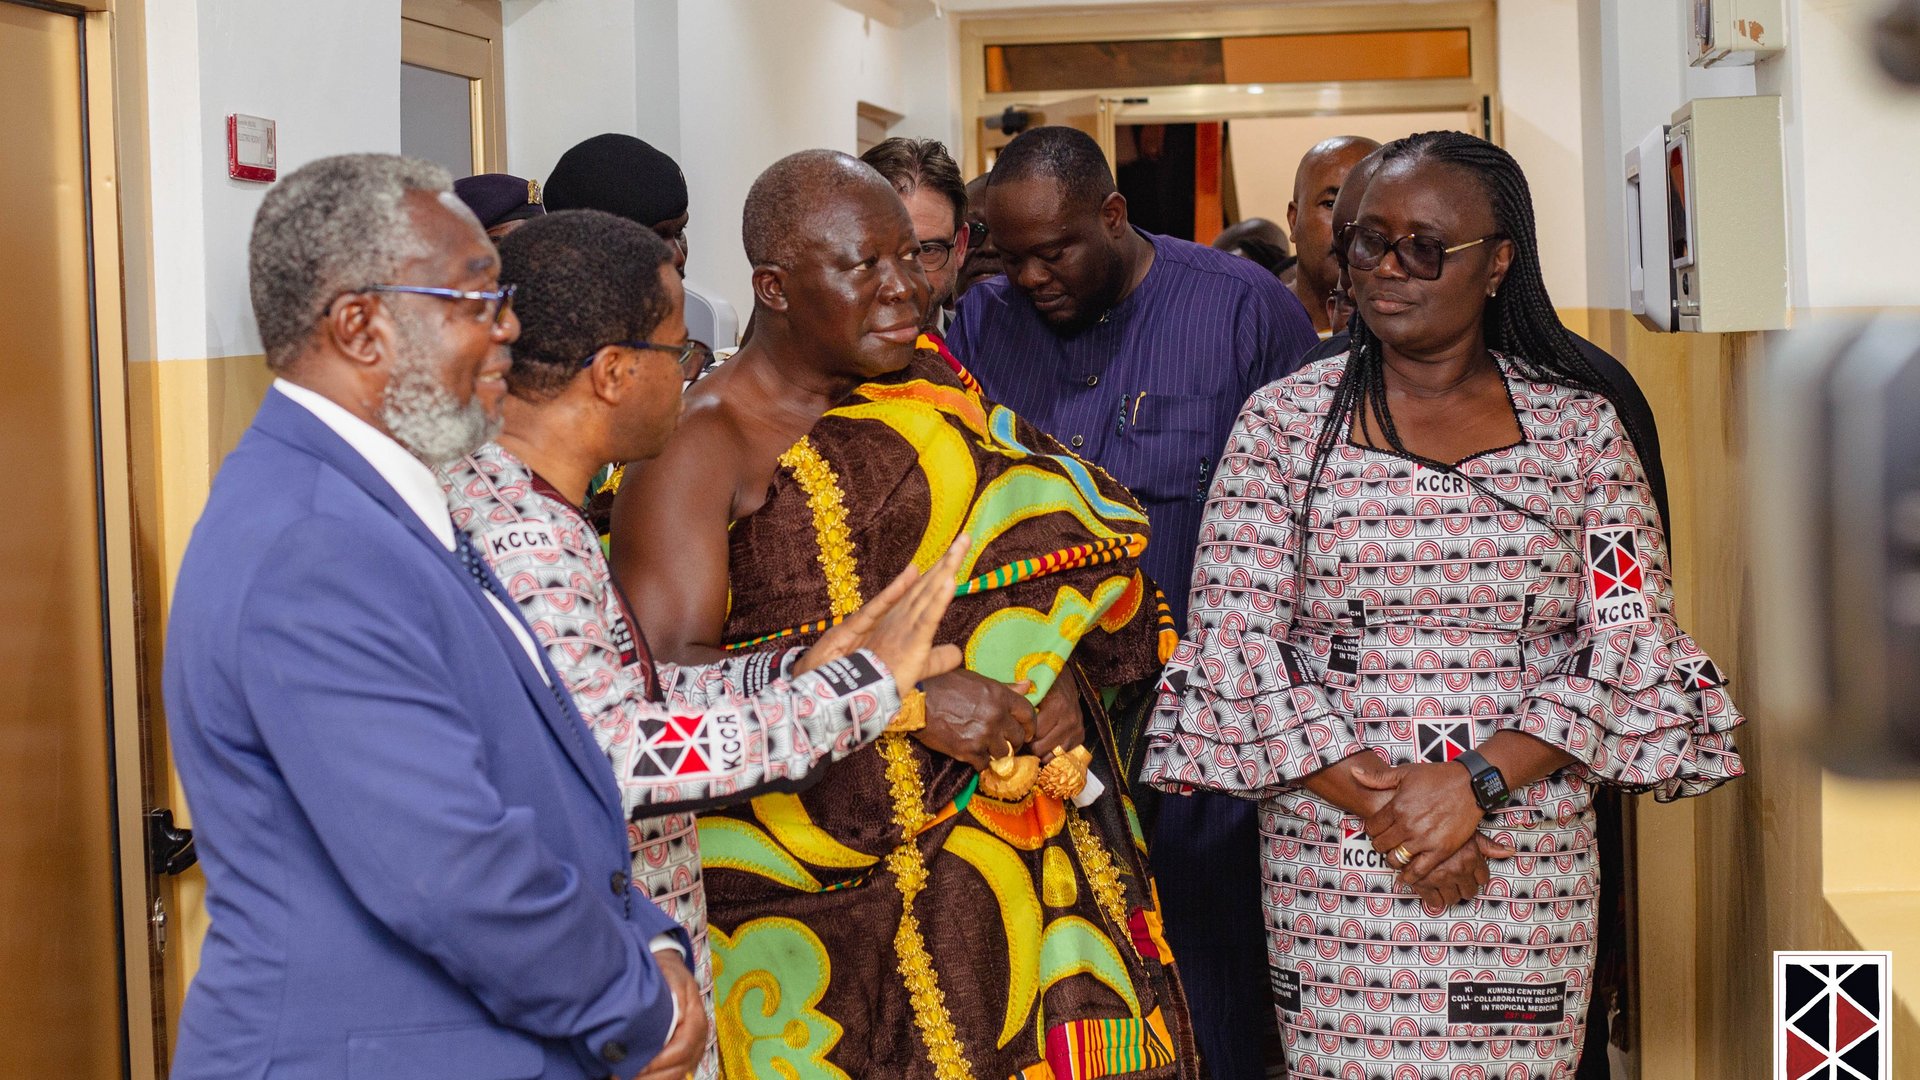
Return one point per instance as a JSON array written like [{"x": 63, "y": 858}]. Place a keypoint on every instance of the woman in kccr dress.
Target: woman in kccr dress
[{"x": 1430, "y": 611}]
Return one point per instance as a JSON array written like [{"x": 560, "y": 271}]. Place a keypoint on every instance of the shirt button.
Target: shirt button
[
  {"x": 1093, "y": 380},
  {"x": 618, "y": 883},
  {"x": 1077, "y": 441},
  {"x": 613, "y": 1053}
]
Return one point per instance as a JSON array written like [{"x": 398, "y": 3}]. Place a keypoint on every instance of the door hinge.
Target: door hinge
[{"x": 157, "y": 922}]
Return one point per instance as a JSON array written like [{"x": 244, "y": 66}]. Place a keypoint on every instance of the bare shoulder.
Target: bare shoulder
[{"x": 723, "y": 454}]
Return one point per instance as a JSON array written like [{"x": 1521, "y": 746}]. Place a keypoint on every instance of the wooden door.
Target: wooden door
[{"x": 62, "y": 1008}]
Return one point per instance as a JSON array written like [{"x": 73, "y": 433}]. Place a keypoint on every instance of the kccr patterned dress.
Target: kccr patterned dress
[{"x": 1525, "y": 588}]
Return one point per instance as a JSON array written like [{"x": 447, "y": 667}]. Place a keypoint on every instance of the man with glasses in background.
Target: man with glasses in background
[
  {"x": 983, "y": 259},
  {"x": 929, "y": 183},
  {"x": 597, "y": 374},
  {"x": 415, "y": 861}
]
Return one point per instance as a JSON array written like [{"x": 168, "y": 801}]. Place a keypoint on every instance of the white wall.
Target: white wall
[
  {"x": 1543, "y": 130},
  {"x": 574, "y": 70},
  {"x": 1853, "y": 147},
  {"x": 1267, "y": 151},
  {"x": 329, "y": 74},
  {"x": 177, "y": 180},
  {"x": 1635, "y": 51},
  {"x": 759, "y": 81},
  {"x": 725, "y": 86},
  {"x": 930, "y": 80},
  {"x": 1851, "y": 142}
]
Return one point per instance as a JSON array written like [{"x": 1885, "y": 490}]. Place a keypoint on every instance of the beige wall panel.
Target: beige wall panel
[
  {"x": 1729, "y": 878},
  {"x": 184, "y": 416}
]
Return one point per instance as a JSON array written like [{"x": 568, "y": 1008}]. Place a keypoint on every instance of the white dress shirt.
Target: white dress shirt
[
  {"x": 412, "y": 481},
  {"x": 420, "y": 490}
]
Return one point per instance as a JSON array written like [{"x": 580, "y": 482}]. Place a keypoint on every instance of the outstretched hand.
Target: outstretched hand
[{"x": 898, "y": 625}]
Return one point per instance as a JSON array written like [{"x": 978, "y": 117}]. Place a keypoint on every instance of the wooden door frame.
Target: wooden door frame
[
  {"x": 1190, "y": 104},
  {"x": 434, "y": 33},
  {"x": 114, "y": 74}
]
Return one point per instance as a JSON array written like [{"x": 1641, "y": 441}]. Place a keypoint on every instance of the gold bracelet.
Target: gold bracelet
[{"x": 912, "y": 715}]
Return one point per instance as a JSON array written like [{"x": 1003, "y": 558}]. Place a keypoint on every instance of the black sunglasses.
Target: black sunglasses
[{"x": 1422, "y": 257}]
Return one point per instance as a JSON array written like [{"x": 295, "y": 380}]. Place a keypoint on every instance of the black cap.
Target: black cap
[
  {"x": 620, "y": 175},
  {"x": 496, "y": 198}
]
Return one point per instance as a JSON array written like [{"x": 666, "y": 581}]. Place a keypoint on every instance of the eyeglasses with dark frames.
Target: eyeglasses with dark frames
[
  {"x": 1422, "y": 257},
  {"x": 494, "y": 303},
  {"x": 935, "y": 253},
  {"x": 694, "y": 358}
]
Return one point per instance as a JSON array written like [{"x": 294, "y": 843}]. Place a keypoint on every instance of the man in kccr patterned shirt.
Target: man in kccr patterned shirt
[{"x": 597, "y": 376}]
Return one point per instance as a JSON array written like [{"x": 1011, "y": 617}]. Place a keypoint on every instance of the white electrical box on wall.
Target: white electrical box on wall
[
  {"x": 1727, "y": 215},
  {"x": 1736, "y": 31},
  {"x": 1649, "y": 263}
]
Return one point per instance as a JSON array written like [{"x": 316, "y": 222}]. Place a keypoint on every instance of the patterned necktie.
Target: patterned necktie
[{"x": 477, "y": 569}]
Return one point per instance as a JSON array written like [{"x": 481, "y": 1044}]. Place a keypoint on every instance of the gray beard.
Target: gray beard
[{"x": 421, "y": 414}]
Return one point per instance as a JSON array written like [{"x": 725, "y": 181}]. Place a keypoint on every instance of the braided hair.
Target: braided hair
[{"x": 1520, "y": 323}]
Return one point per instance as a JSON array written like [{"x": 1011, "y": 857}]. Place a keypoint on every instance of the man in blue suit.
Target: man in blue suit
[{"x": 416, "y": 860}]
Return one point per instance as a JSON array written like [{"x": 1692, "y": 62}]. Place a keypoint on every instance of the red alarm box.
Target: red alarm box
[{"x": 251, "y": 154}]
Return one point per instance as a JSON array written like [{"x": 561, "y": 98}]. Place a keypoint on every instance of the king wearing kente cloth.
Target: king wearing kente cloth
[
  {"x": 1023, "y": 932},
  {"x": 910, "y": 915}
]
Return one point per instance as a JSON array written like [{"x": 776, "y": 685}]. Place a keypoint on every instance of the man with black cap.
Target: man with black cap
[
  {"x": 625, "y": 176},
  {"x": 502, "y": 202}
]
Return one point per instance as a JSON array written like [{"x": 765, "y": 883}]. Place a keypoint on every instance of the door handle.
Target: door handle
[{"x": 171, "y": 848}]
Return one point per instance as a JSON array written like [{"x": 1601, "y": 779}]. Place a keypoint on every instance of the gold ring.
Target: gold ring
[{"x": 1400, "y": 856}]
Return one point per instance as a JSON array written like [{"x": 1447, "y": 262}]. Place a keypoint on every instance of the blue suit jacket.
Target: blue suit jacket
[{"x": 416, "y": 861}]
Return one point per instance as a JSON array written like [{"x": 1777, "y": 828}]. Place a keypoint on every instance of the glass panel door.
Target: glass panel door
[{"x": 436, "y": 118}]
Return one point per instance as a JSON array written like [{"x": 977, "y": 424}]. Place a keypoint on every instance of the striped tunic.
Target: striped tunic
[{"x": 1149, "y": 392}]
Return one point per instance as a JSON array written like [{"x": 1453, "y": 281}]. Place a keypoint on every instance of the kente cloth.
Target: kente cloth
[
  {"x": 891, "y": 920},
  {"x": 678, "y": 738},
  {"x": 1425, "y": 607}
]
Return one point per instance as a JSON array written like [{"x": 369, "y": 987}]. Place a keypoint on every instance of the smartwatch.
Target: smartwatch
[{"x": 1489, "y": 787}]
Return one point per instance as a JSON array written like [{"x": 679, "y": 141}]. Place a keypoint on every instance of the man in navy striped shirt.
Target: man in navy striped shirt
[{"x": 1137, "y": 351}]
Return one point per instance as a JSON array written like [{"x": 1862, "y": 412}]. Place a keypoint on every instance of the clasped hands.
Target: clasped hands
[
  {"x": 976, "y": 719},
  {"x": 1427, "y": 811}
]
